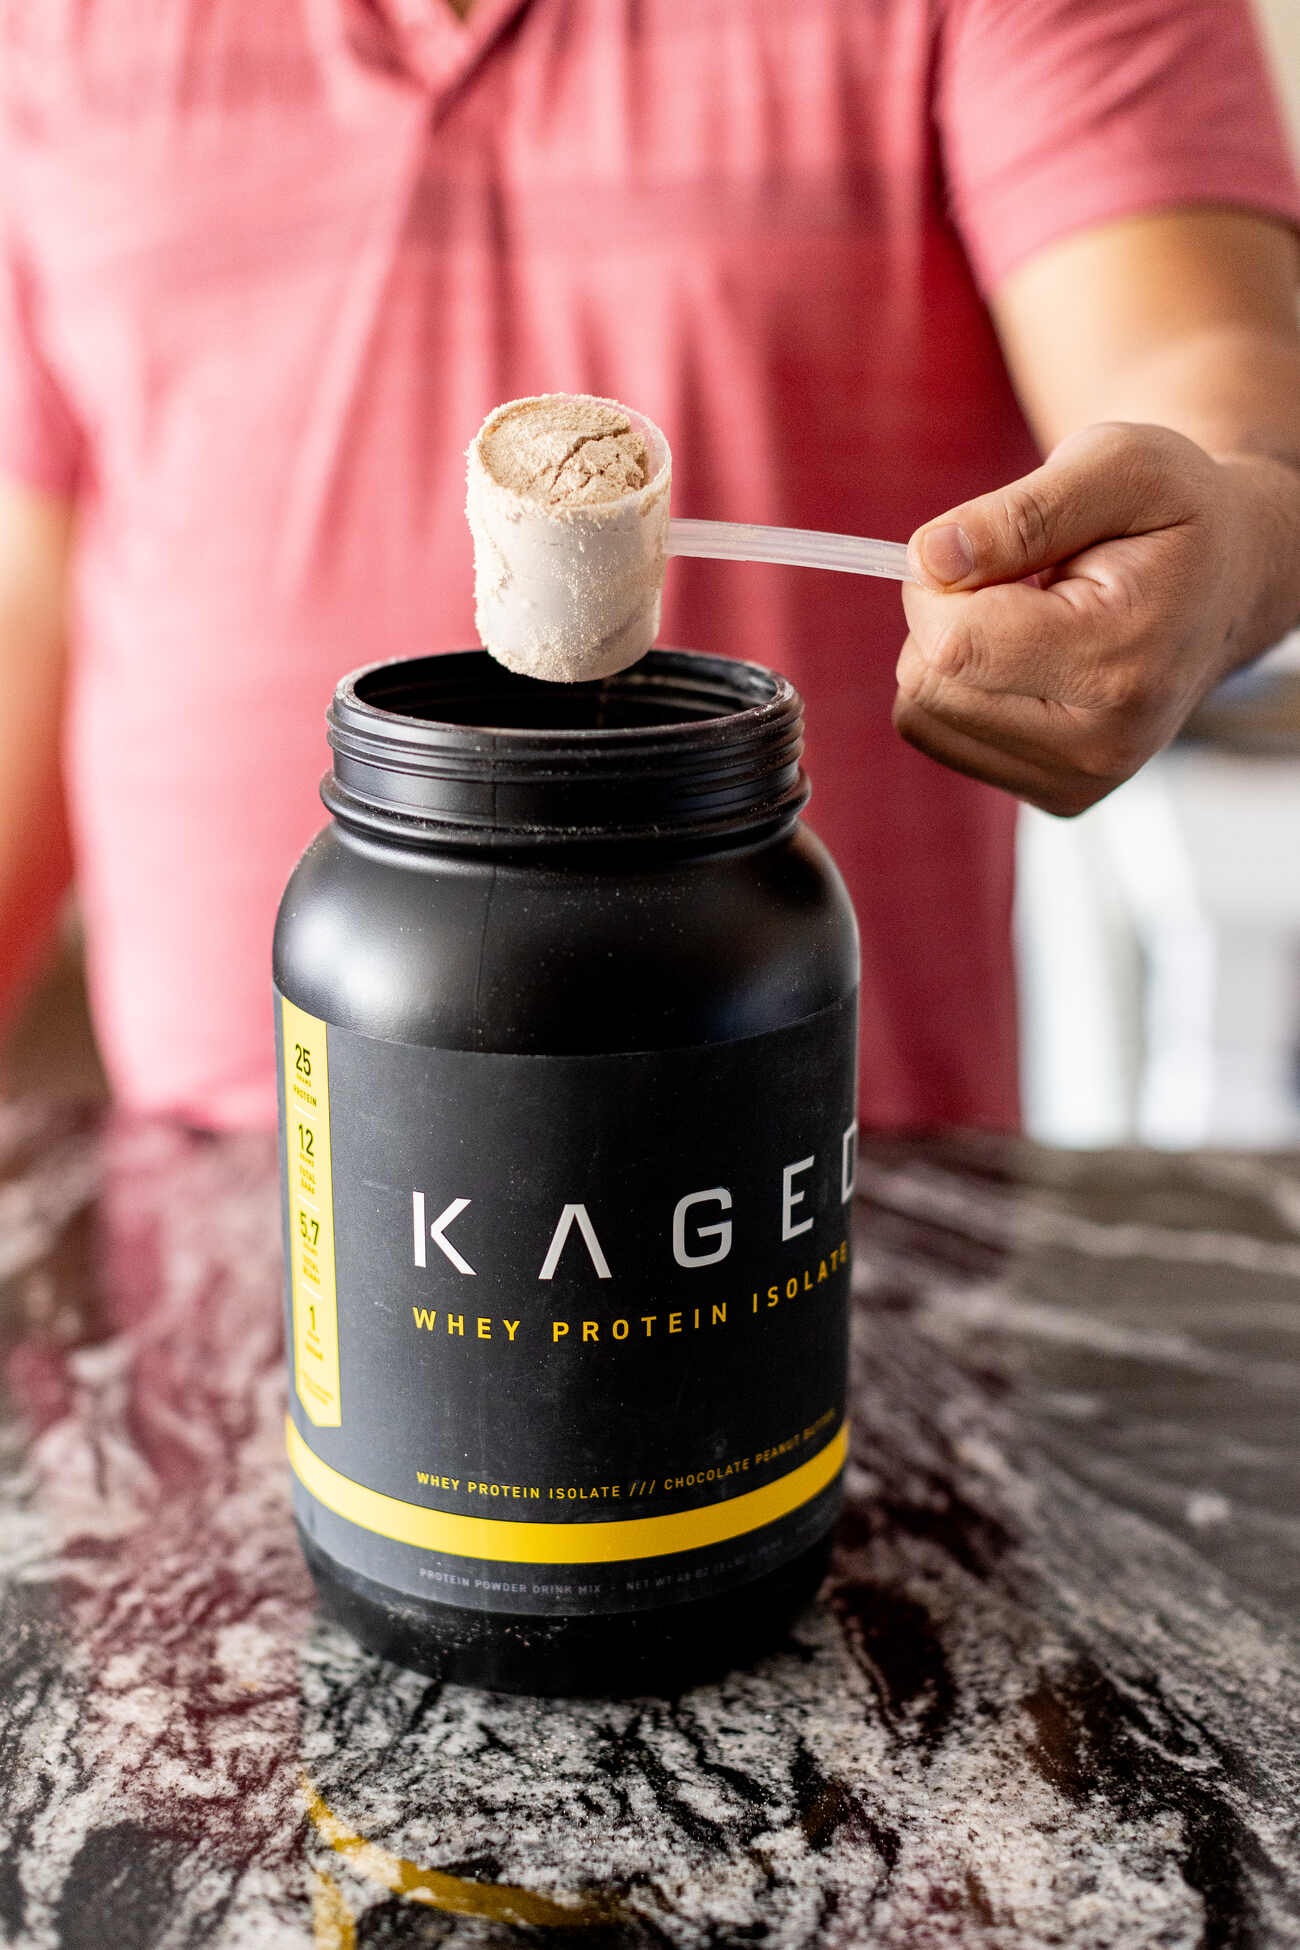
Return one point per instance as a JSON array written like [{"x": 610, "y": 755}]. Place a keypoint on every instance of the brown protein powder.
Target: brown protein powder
[{"x": 568, "y": 450}]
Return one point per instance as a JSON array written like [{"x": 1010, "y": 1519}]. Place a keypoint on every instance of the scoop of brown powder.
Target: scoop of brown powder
[
  {"x": 567, "y": 498},
  {"x": 565, "y": 451}
]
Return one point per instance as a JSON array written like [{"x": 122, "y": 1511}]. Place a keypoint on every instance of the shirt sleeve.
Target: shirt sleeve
[
  {"x": 1054, "y": 115},
  {"x": 40, "y": 442}
]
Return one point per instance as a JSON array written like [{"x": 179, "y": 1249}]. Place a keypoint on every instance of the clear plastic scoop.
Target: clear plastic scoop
[
  {"x": 568, "y": 588},
  {"x": 805, "y": 548}
]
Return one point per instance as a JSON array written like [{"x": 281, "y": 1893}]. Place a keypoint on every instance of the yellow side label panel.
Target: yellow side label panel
[{"x": 311, "y": 1216}]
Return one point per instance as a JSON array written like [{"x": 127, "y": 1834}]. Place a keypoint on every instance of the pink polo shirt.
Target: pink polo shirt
[{"x": 268, "y": 265}]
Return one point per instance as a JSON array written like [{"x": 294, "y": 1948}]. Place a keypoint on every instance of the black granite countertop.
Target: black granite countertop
[{"x": 1051, "y": 1695}]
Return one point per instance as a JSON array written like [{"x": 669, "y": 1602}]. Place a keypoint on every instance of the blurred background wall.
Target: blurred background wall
[{"x": 1158, "y": 936}]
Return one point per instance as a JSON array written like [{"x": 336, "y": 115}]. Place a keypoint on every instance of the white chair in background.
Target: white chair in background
[{"x": 1158, "y": 940}]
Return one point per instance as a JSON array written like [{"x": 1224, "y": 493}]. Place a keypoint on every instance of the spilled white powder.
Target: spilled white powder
[{"x": 568, "y": 509}]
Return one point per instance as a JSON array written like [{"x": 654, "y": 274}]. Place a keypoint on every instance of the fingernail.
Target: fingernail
[{"x": 947, "y": 553}]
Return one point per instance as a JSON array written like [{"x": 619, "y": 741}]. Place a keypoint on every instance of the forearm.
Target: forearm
[
  {"x": 1236, "y": 392},
  {"x": 35, "y": 852},
  {"x": 1184, "y": 320},
  {"x": 35, "y": 862},
  {"x": 1268, "y": 602}
]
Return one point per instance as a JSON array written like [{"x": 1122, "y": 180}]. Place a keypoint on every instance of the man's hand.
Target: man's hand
[
  {"x": 1158, "y": 568},
  {"x": 1142, "y": 549}
]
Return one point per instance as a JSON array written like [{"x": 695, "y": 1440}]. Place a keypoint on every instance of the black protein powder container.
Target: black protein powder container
[{"x": 566, "y": 1010}]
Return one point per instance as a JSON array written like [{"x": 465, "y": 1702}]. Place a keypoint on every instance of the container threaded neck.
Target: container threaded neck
[{"x": 456, "y": 750}]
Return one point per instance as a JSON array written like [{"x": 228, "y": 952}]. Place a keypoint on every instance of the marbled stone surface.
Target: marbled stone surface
[{"x": 1050, "y": 1696}]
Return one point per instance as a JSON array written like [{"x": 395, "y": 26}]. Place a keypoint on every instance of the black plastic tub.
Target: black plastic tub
[{"x": 566, "y": 1014}]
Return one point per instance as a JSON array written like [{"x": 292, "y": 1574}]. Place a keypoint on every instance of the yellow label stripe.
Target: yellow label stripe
[
  {"x": 497, "y": 1540},
  {"x": 309, "y": 1176}
]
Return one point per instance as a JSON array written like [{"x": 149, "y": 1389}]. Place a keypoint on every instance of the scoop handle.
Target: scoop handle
[{"x": 806, "y": 548}]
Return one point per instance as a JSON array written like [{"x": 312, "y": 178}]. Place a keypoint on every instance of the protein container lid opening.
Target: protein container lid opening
[
  {"x": 470, "y": 690},
  {"x": 697, "y": 746}
]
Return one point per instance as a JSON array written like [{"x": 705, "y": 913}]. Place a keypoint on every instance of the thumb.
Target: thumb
[{"x": 1098, "y": 483}]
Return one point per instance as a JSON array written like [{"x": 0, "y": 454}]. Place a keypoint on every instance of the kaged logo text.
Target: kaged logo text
[{"x": 701, "y": 1232}]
